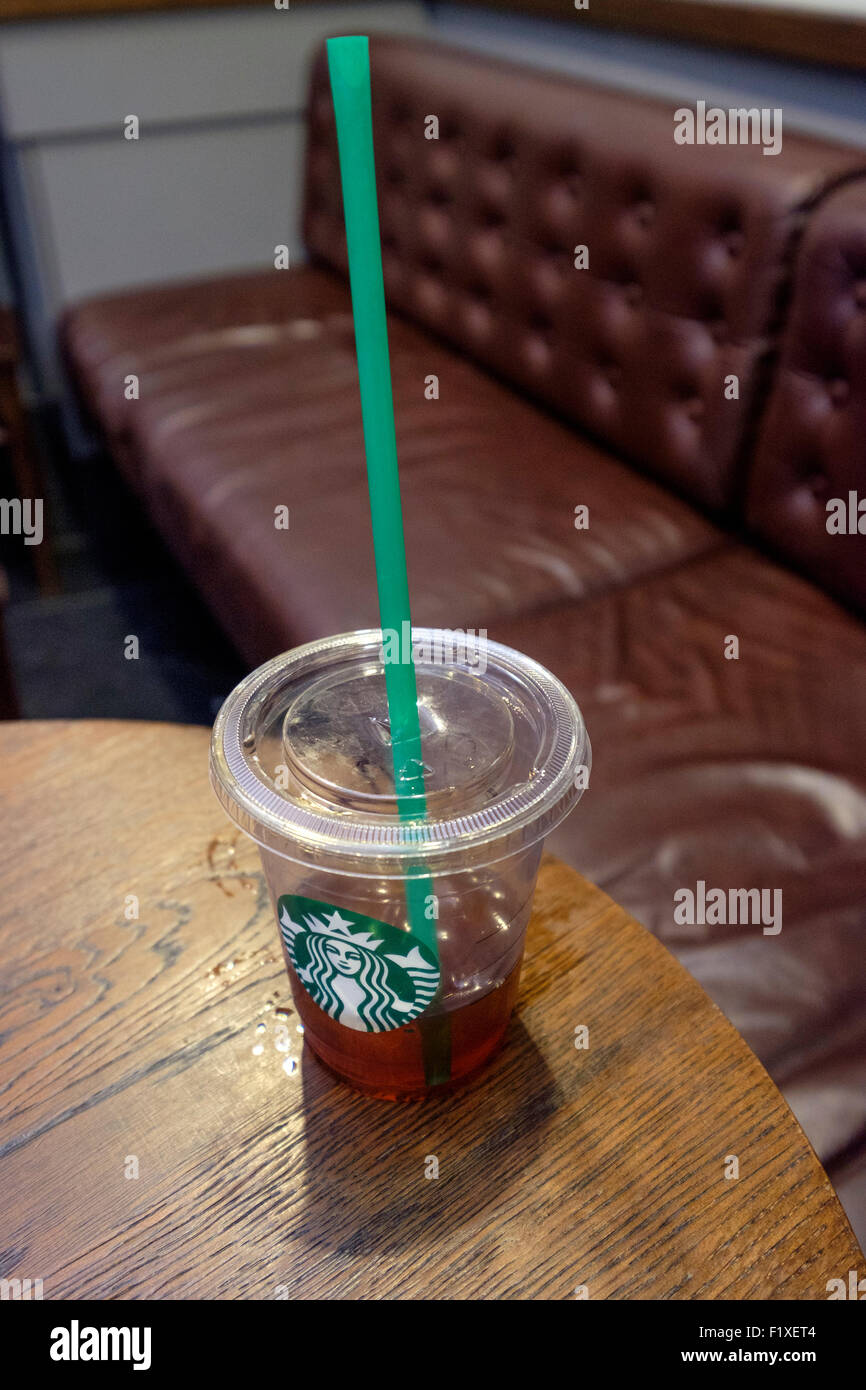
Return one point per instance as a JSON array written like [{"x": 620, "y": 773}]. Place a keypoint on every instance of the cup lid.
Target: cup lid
[{"x": 301, "y": 754}]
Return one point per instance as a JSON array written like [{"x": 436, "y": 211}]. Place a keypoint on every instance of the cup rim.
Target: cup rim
[{"x": 519, "y": 818}]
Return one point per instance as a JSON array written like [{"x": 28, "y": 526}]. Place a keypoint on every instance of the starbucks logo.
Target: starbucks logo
[{"x": 365, "y": 974}]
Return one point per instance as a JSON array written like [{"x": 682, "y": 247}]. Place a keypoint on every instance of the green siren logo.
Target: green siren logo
[{"x": 365, "y": 974}]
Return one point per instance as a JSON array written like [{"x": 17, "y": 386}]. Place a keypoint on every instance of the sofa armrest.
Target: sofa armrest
[{"x": 809, "y": 473}]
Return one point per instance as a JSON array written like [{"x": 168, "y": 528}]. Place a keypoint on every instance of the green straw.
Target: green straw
[{"x": 349, "y": 64}]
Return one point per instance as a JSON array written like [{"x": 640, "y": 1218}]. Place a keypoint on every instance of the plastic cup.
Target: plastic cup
[{"x": 301, "y": 761}]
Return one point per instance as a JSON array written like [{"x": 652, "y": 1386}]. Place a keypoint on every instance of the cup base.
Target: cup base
[
  {"x": 391, "y": 1066},
  {"x": 442, "y": 1088}
]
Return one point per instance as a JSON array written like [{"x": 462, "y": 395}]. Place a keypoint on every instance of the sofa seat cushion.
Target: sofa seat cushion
[
  {"x": 210, "y": 329},
  {"x": 741, "y": 773},
  {"x": 219, "y": 439}
]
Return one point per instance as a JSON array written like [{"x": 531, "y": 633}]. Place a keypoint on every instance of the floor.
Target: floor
[{"x": 117, "y": 581}]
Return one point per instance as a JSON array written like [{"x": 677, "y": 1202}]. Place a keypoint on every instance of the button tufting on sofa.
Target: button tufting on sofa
[{"x": 839, "y": 391}]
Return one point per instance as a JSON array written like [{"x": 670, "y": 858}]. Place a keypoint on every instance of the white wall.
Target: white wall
[
  {"x": 214, "y": 181},
  {"x": 823, "y": 101}
]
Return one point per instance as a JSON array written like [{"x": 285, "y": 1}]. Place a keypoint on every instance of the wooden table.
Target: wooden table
[{"x": 152, "y": 1045}]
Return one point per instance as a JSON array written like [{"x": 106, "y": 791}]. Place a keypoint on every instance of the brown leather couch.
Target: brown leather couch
[{"x": 608, "y": 388}]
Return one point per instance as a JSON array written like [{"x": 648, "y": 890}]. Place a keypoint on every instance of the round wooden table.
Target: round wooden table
[{"x": 165, "y": 1134}]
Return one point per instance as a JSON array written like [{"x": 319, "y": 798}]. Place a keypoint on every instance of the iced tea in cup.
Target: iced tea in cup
[{"x": 301, "y": 761}]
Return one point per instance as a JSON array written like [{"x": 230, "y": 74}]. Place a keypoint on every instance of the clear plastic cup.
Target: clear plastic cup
[{"x": 301, "y": 761}]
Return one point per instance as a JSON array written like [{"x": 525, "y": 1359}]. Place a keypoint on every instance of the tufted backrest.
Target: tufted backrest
[
  {"x": 688, "y": 247},
  {"x": 812, "y": 445}
]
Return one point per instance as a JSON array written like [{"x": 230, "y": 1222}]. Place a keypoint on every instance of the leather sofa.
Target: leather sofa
[{"x": 700, "y": 389}]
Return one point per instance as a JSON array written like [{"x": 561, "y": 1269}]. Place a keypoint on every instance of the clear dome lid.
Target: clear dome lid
[{"x": 301, "y": 754}]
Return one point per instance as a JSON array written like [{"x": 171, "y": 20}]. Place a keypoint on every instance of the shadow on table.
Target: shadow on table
[{"x": 365, "y": 1160}]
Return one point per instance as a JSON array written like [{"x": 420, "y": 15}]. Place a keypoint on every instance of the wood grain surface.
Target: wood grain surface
[{"x": 158, "y": 1038}]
